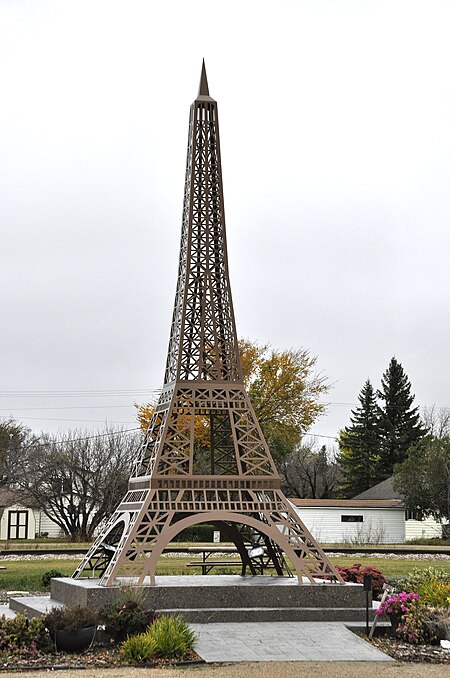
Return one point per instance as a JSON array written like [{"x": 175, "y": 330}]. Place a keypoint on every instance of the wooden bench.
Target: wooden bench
[{"x": 207, "y": 565}]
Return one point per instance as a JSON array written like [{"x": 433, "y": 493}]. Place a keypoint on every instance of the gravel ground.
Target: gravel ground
[
  {"x": 336, "y": 554},
  {"x": 264, "y": 670}
]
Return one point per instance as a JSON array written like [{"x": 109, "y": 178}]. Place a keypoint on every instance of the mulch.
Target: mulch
[
  {"x": 407, "y": 652},
  {"x": 94, "y": 658}
]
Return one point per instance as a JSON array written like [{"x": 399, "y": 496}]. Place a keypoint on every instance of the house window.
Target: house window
[
  {"x": 352, "y": 519},
  {"x": 17, "y": 524},
  {"x": 413, "y": 515}
]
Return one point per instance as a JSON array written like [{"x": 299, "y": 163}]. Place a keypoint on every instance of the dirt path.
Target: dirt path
[{"x": 264, "y": 670}]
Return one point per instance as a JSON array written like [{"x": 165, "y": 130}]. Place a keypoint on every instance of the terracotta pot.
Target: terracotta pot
[{"x": 74, "y": 641}]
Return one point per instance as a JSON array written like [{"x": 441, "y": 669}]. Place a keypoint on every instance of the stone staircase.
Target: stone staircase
[{"x": 217, "y": 599}]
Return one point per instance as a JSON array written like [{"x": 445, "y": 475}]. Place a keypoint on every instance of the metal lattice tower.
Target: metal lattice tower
[{"x": 204, "y": 457}]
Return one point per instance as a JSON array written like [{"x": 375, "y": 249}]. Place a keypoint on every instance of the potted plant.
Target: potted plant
[
  {"x": 396, "y": 606},
  {"x": 72, "y": 629}
]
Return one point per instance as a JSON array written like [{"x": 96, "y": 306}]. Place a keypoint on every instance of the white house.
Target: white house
[
  {"x": 416, "y": 527},
  {"x": 353, "y": 521}
]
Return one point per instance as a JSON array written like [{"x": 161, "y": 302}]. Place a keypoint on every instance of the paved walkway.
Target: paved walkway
[{"x": 283, "y": 641}]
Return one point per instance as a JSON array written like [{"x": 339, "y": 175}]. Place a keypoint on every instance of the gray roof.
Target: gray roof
[{"x": 383, "y": 490}]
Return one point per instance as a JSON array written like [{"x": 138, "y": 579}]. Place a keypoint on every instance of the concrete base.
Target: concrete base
[{"x": 216, "y": 598}]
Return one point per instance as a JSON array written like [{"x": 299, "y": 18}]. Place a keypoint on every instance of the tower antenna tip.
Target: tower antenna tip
[{"x": 203, "y": 89}]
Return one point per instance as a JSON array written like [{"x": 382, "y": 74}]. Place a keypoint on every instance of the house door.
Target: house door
[{"x": 17, "y": 524}]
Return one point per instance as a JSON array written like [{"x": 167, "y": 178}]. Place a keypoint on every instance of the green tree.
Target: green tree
[
  {"x": 359, "y": 445},
  {"x": 400, "y": 425},
  {"x": 424, "y": 477}
]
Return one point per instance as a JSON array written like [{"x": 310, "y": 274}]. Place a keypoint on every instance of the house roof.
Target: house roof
[
  {"x": 347, "y": 503},
  {"x": 383, "y": 490}
]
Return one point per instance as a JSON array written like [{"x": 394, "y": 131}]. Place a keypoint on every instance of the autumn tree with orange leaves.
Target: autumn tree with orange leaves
[{"x": 285, "y": 391}]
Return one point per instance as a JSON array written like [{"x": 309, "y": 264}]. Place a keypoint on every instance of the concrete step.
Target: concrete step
[
  {"x": 270, "y": 614},
  {"x": 216, "y": 591},
  {"x": 34, "y": 606}
]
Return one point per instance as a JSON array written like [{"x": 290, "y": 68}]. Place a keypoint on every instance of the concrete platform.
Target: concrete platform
[{"x": 217, "y": 598}]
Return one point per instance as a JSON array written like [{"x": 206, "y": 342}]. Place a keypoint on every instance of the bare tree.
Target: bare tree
[
  {"x": 77, "y": 480},
  {"x": 437, "y": 420},
  {"x": 310, "y": 473},
  {"x": 14, "y": 438}
]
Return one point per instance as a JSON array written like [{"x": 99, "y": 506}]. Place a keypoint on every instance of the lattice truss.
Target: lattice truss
[
  {"x": 204, "y": 457},
  {"x": 203, "y": 342}
]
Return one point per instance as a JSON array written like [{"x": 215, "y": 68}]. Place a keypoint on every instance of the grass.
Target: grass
[
  {"x": 26, "y": 575},
  {"x": 391, "y": 567},
  {"x": 28, "y": 544}
]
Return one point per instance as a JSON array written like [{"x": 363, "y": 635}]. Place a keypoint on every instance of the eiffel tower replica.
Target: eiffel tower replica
[{"x": 204, "y": 458}]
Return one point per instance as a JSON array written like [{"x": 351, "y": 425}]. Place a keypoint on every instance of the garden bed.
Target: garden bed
[
  {"x": 97, "y": 657},
  {"x": 406, "y": 652}
]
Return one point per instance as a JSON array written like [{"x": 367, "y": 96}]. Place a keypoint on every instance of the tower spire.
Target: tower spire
[{"x": 203, "y": 89}]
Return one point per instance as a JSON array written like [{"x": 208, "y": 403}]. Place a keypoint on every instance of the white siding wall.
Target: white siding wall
[
  {"x": 380, "y": 526},
  {"x": 426, "y": 528},
  {"x": 44, "y": 524}
]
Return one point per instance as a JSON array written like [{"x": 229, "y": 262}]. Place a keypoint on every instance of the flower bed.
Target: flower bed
[
  {"x": 419, "y": 611},
  {"x": 136, "y": 637}
]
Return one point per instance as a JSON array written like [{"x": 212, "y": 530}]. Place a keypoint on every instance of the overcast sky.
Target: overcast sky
[{"x": 335, "y": 134}]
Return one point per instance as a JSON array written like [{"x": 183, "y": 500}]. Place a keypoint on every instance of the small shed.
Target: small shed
[
  {"x": 20, "y": 520},
  {"x": 353, "y": 521}
]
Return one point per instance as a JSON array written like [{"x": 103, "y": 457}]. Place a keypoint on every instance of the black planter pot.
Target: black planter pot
[
  {"x": 395, "y": 622},
  {"x": 74, "y": 641}
]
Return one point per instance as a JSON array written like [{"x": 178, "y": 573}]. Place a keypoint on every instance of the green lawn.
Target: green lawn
[
  {"x": 393, "y": 567},
  {"x": 26, "y": 575}
]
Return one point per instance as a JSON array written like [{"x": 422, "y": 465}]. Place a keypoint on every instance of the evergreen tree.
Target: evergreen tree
[
  {"x": 400, "y": 425},
  {"x": 359, "y": 445}
]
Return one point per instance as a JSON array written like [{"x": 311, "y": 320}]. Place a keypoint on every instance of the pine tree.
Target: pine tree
[
  {"x": 400, "y": 425},
  {"x": 359, "y": 445}
]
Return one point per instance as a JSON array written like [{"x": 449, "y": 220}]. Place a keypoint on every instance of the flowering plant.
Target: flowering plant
[
  {"x": 398, "y": 604},
  {"x": 355, "y": 573}
]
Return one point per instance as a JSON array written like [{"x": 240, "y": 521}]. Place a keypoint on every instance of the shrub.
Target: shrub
[
  {"x": 126, "y": 618},
  {"x": 167, "y": 638},
  {"x": 355, "y": 573},
  {"x": 23, "y": 637},
  {"x": 170, "y": 637},
  {"x": 197, "y": 533},
  {"x": 47, "y": 576},
  {"x": 70, "y": 618},
  {"x": 136, "y": 648},
  {"x": 417, "y": 576},
  {"x": 423, "y": 624},
  {"x": 434, "y": 592},
  {"x": 432, "y": 584}
]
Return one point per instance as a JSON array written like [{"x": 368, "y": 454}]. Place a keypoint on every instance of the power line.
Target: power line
[
  {"x": 66, "y": 407},
  {"x": 80, "y": 394},
  {"x": 97, "y": 435},
  {"x": 438, "y": 407},
  {"x": 79, "y": 421},
  {"x": 318, "y": 435}
]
